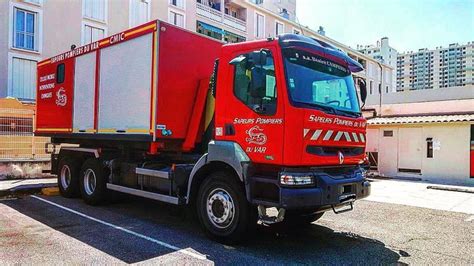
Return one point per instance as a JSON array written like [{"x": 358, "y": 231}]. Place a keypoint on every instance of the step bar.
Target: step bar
[
  {"x": 144, "y": 194},
  {"x": 151, "y": 172}
]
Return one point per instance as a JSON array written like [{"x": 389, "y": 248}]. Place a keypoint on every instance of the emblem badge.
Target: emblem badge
[
  {"x": 341, "y": 157},
  {"x": 256, "y": 136},
  {"x": 61, "y": 97}
]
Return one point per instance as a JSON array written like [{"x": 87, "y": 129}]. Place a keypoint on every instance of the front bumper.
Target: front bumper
[{"x": 329, "y": 191}]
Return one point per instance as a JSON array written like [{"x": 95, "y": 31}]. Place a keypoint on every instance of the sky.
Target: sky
[{"x": 409, "y": 24}]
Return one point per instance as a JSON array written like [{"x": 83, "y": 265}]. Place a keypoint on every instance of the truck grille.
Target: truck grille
[{"x": 333, "y": 151}]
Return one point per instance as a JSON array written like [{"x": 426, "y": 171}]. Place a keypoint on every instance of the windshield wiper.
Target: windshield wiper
[
  {"x": 330, "y": 109},
  {"x": 326, "y": 108}
]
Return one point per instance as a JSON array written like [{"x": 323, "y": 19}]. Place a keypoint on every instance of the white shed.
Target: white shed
[{"x": 432, "y": 147}]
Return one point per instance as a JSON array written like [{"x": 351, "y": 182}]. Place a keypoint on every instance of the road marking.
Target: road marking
[{"x": 161, "y": 243}]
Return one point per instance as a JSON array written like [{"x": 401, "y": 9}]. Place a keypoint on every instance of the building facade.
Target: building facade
[
  {"x": 425, "y": 134},
  {"x": 284, "y": 8},
  {"x": 383, "y": 53},
  {"x": 439, "y": 68},
  {"x": 31, "y": 30}
]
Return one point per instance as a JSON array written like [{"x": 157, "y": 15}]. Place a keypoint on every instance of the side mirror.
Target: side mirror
[
  {"x": 363, "y": 90},
  {"x": 237, "y": 60}
]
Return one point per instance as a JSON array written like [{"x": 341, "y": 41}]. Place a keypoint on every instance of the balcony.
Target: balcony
[
  {"x": 212, "y": 13},
  {"x": 232, "y": 15},
  {"x": 235, "y": 23}
]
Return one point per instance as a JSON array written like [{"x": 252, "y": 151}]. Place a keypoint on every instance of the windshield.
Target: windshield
[{"x": 317, "y": 82}]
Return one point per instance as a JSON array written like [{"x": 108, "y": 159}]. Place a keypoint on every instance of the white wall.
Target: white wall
[{"x": 451, "y": 163}]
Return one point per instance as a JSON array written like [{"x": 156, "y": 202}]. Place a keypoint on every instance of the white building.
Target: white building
[
  {"x": 383, "y": 53},
  {"x": 452, "y": 66}
]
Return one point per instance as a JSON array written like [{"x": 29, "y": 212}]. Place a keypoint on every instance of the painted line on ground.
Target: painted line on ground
[{"x": 156, "y": 241}]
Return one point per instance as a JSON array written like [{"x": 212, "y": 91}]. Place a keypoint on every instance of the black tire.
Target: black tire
[
  {"x": 68, "y": 177},
  {"x": 93, "y": 194},
  {"x": 296, "y": 218},
  {"x": 244, "y": 218}
]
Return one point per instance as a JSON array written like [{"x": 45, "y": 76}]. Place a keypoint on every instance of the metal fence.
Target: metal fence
[{"x": 17, "y": 141}]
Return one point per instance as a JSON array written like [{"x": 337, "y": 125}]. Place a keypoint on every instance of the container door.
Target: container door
[
  {"x": 410, "y": 146},
  {"x": 125, "y": 87},
  {"x": 84, "y": 93}
]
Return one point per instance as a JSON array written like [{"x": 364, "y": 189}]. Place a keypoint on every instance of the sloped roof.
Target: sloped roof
[{"x": 423, "y": 119}]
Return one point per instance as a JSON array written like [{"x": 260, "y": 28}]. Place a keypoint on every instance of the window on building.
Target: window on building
[
  {"x": 94, "y": 9},
  {"x": 25, "y": 29},
  {"x": 259, "y": 26},
  {"x": 139, "y": 12},
  {"x": 279, "y": 28},
  {"x": 429, "y": 147},
  {"x": 388, "y": 133},
  {"x": 209, "y": 30},
  {"x": 176, "y": 19},
  {"x": 371, "y": 87},
  {"x": 177, "y": 3},
  {"x": 92, "y": 34},
  {"x": 23, "y": 79},
  {"x": 255, "y": 84}
]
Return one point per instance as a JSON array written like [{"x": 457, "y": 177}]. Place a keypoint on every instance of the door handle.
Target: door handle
[{"x": 229, "y": 130}]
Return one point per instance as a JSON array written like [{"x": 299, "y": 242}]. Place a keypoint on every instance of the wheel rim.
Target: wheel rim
[
  {"x": 65, "y": 176},
  {"x": 220, "y": 208},
  {"x": 90, "y": 181}
]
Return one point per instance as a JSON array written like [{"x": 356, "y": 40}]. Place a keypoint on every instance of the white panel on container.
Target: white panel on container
[
  {"x": 124, "y": 91},
  {"x": 84, "y": 93}
]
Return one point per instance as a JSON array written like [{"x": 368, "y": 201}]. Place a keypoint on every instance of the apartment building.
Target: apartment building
[
  {"x": 31, "y": 30},
  {"x": 452, "y": 66},
  {"x": 383, "y": 53},
  {"x": 285, "y": 8}
]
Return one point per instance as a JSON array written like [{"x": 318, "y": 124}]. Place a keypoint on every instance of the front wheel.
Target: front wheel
[{"x": 223, "y": 210}]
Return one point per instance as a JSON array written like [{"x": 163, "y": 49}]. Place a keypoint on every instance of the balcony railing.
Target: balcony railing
[
  {"x": 218, "y": 16},
  {"x": 208, "y": 12},
  {"x": 235, "y": 23}
]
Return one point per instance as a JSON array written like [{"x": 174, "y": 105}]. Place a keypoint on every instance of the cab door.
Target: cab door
[{"x": 253, "y": 109}]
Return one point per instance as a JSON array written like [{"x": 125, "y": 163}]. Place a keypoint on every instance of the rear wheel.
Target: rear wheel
[
  {"x": 93, "y": 181},
  {"x": 68, "y": 177},
  {"x": 223, "y": 209}
]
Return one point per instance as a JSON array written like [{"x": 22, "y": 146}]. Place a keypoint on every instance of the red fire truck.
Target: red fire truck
[{"x": 231, "y": 130}]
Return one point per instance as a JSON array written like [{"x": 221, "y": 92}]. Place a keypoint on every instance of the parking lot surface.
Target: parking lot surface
[{"x": 52, "y": 230}]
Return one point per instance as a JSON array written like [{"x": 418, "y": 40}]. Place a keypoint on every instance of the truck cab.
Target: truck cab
[{"x": 288, "y": 119}]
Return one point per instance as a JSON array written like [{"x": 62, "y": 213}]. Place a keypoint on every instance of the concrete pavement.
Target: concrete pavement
[{"x": 417, "y": 194}]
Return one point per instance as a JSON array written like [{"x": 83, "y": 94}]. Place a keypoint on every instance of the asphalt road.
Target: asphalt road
[{"x": 136, "y": 230}]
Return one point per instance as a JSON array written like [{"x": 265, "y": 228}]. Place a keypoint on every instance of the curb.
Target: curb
[
  {"x": 25, "y": 189},
  {"x": 454, "y": 189},
  {"x": 377, "y": 177}
]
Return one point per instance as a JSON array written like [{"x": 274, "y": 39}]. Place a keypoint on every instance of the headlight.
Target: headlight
[{"x": 296, "y": 179}]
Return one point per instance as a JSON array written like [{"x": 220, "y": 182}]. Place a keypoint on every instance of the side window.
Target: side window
[
  {"x": 60, "y": 73},
  {"x": 254, "y": 81}
]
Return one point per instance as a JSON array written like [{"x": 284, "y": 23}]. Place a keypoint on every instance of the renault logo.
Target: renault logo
[{"x": 341, "y": 157}]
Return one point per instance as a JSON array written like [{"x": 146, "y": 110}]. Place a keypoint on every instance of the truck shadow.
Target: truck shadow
[{"x": 315, "y": 244}]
